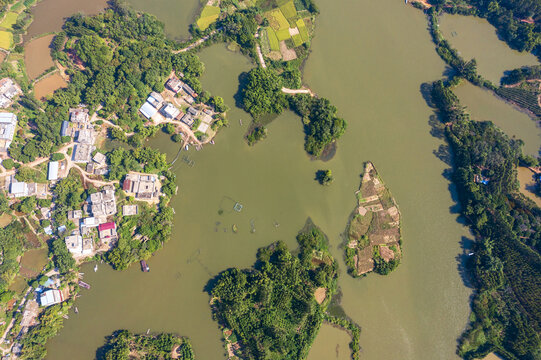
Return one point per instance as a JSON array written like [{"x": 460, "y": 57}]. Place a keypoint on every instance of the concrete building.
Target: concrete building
[
  {"x": 107, "y": 232},
  {"x": 18, "y": 189},
  {"x": 52, "y": 173},
  {"x": 188, "y": 120},
  {"x": 74, "y": 243},
  {"x": 189, "y": 90},
  {"x": 100, "y": 159},
  {"x": 103, "y": 203},
  {"x": 79, "y": 115},
  {"x": 51, "y": 297},
  {"x": 128, "y": 210},
  {"x": 142, "y": 186},
  {"x": 192, "y": 111},
  {"x": 82, "y": 153},
  {"x": 8, "y": 123},
  {"x": 8, "y": 90},
  {"x": 174, "y": 84},
  {"x": 170, "y": 111},
  {"x": 155, "y": 99},
  {"x": 86, "y": 135},
  {"x": 75, "y": 214}
]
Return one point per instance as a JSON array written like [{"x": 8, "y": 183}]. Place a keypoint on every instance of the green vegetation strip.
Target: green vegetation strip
[{"x": 273, "y": 40}]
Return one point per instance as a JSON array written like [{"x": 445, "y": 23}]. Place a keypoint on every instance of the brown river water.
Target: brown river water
[{"x": 369, "y": 59}]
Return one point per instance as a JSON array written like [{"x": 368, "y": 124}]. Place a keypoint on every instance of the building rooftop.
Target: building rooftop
[
  {"x": 148, "y": 110},
  {"x": 51, "y": 297},
  {"x": 52, "y": 173},
  {"x": 128, "y": 210},
  {"x": 79, "y": 115},
  {"x": 82, "y": 153}
]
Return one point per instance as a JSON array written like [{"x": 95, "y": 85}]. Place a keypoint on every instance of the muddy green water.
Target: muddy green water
[
  {"x": 483, "y": 105},
  {"x": 475, "y": 38},
  {"x": 373, "y": 75},
  {"x": 176, "y": 15}
]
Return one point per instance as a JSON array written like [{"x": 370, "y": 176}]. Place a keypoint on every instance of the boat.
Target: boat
[
  {"x": 84, "y": 285},
  {"x": 76, "y": 310},
  {"x": 95, "y": 267},
  {"x": 212, "y": 142},
  {"x": 144, "y": 266},
  {"x": 406, "y": 1},
  {"x": 186, "y": 147},
  {"x": 240, "y": 122},
  {"x": 235, "y": 228}
]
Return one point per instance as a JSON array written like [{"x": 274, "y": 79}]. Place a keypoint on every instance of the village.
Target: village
[{"x": 93, "y": 229}]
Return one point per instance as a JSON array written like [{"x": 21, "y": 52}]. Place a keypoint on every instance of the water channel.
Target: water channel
[{"x": 370, "y": 59}]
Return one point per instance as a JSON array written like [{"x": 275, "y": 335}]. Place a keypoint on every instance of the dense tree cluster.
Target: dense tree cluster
[
  {"x": 521, "y": 74},
  {"x": 11, "y": 247},
  {"x": 271, "y": 308},
  {"x": 122, "y": 161},
  {"x": 261, "y": 93},
  {"x": 322, "y": 126},
  {"x": 123, "y": 345},
  {"x": 506, "y": 264}
]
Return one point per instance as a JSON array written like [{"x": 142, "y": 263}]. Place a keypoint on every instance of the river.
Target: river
[{"x": 370, "y": 59}]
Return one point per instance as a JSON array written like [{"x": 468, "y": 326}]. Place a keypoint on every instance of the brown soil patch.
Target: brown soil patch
[
  {"x": 386, "y": 253},
  {"x": 287, "y": 54},
  {"x": 320, "y": 294},
  {"x": 527, "y": 184},
  {"x": 37, "y": 56},
  {"x": 48, "y": 85}
]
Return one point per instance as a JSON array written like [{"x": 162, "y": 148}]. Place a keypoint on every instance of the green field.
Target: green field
[
  {"x": 283, "y": 34},
  {"x": 288, "y": 9},
  {"x": 6, "y": 39},
  {"x": 9, "y": 20},
  {"x": 18, "y": 7},
  {"x": 303, "y": 30},
  {"x": 297, "y": 40},
  {"x": 209, "y": 15},
  {"x": 273, "y": 40},
  {"x": 277, "y": 20}
]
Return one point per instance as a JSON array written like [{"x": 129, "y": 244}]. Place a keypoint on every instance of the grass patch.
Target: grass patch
[
  {"x": 277, "y": 20},
  {"x": 265, "y": 46},
  {"x": 29, "y": 3},
  {"x": 208, "y": 16},
  {"x": 283, "y": 34},
  {"x": 9, "y": 20},
  {"x": 273, "y": 40},
  {"x": 6, "y": 39},
  {"x": 288, "y": 9},
  {"x": 18, "y": 7},
  {"x": 297, "y": 40},
  {"x": 303, "y": 30}
]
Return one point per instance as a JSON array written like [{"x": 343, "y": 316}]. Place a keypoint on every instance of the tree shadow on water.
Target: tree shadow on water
[{"x": 462, "y": 261}]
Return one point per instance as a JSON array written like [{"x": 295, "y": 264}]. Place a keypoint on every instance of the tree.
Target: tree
[
  {"x": 261, "y": 93},
  {"x": 324, "y": 177}
]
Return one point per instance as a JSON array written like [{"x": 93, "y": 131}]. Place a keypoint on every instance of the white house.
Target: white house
[
  {"x": 52, "y": 173},
  {"x": 51, "y": 297}
]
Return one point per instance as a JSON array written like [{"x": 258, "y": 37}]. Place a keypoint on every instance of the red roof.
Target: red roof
[
  {"x": 126, "y": 185},
  {"x": 107, "y": 226}
]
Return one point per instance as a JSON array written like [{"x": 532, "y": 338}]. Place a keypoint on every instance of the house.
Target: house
[
  {"x": 8, "y": 123},
  {"x": 189, "y": 90},
  {"x": 188, "y": 120},
  {"x": 8, "y": 90},
  {"x": 100, "y": 159},
  {"x": 170, "y": 111},
  {"x": 207, "y": 111},
  {"x": 155, "y": 99},
  {"x": 142, "y": 186},
  {"x": 174, "y": 84},
  {"x": 18, "y": 189},
  {"x": 103, "y": 203},
  {"x": 52, "y": 173},
  {"x": 148, "y": 110},
  {"x": 79, "y": 115},
  {"x": 86, "y": 136},
  {"x": 107, "y": 232},
  {"x": 74, "y": 243},
  {"x": 192, "y": 111},
  {"x": 75, "y": 214},
  {"x": 51, "y": 297},
  {"x": 128, "y": 210},
  {"x": 83, "y": 153}
]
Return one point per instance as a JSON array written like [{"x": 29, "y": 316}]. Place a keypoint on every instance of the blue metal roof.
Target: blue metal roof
[{"x": 148, "y": 110}]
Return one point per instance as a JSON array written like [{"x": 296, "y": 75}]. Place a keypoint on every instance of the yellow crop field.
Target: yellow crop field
[
  {"x": 209, "y": 15},
  {"x": 6, "y": 39},
  {"x": 283, "y": 34},
  {"x": 303, "y": 30},
  {"x": 9, "y": 20},
  {"x": 277, "y": 20},
  {"x": 297, "y": 40},
  {"x": 273, "y": 40},
  {"x": 288, "y": 9}
]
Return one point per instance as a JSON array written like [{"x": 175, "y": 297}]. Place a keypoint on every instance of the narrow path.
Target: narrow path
[
  {"x": 297, "y": 91},
  {"x": 197, "y": 43},
  {"x": 260, "y": 56},
  {"x": 12, "y": 322}
]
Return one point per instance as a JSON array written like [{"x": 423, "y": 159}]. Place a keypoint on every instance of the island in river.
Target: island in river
[{"x": 373, "y": 233}]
